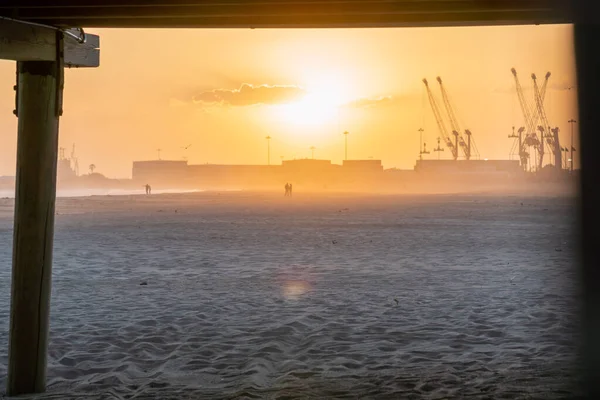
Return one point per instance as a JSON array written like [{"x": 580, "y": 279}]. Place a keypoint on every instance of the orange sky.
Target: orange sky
[{"x": 171, "y": 88}]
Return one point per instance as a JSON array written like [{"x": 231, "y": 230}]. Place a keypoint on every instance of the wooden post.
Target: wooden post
[
  {"x": 41, "y": 53},
  {"x": 39, "y": 94},
  {"x": 588, "y": 64}
]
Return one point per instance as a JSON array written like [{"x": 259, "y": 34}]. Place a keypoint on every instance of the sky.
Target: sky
[{"x": 220, "y": 93}]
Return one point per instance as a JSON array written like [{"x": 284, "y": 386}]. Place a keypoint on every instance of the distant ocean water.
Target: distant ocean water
[{"x": 100, "y": 192}]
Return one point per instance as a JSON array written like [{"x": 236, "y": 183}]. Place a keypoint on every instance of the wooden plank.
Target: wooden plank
[
  {"x": 329, "y": 21},
  {"x": 21, "y": 41},
  {"x": 81, "y": 55},
  {"x": 37, "y": 152},
  {"x": 26, "y": 42},
  {"x": 288, "y": 13},
  {"x": 144, "y": 8},
  {"x": 325, "y": 21}
]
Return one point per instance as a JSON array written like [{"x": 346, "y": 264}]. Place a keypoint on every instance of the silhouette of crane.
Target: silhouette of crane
[
  {"x": 468, "y": 147},
  {"x": 546, "y": 132},
  {"x": 531, "y": 115},
  {"x": 74, "y": 161},
  {"x": 440, "y": 123}
]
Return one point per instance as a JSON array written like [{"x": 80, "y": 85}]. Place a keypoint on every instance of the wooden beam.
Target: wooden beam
[
  {"x": 287, "y": 13},
  {"x": 23, "y": 41},
  {"x": 37, "y": 153}
]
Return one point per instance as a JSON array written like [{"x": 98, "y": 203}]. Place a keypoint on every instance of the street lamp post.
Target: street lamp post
[
  {"x": 268, "y": 150},
  {"x": 312, "y": 150},
  {"x": 572, "y": 122},
  {"x": 420, "y": 143}
]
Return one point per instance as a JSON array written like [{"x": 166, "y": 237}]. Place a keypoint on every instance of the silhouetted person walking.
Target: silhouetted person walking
[
  {"x": 287, "y": 189},
  {"x": 148, "y": 189}
]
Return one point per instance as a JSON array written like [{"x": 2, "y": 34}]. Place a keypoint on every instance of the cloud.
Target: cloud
[
  {"x": 381, "y": 101},
  {"x": 248, "y": 95}
]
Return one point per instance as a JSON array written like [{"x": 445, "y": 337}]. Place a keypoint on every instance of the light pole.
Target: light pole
[
  {"x": 572, "y": 122},
  {"x": 438, "y": 148},
  {"x": 346, "y": 145},
  {"x": 420, "y": 143},
  {"x": 312, "y": 150},
  {"x": 268, "y": 150},
  {"x": 158, "y": 151}
]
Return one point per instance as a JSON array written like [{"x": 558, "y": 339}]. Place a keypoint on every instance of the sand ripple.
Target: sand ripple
[{"x": 387, "y": 300}]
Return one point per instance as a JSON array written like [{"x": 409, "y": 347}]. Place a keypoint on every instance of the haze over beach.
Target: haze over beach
[{"x": 193, "y": 275}]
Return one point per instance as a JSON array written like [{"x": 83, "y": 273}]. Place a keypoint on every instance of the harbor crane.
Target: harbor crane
[
  {"x": 521, "y": 152},
  {"x": 546, "y": 132},
  {"x": 440, "y": 123},
  {"x": 542, "y": 91},
  {"x": 536, "y": 113},
  {"x": 467, "y": 146},
  {"x": 528, "y": 134},
  {"x": 74, "y": 161},
  {"x": 513, "y": 135},
  {"x": 530, "y": 138}
]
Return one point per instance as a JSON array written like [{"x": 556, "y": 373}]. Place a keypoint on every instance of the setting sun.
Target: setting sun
[
  {"x": 313, "y": 109},
  {"x": 320, "y": 105}
]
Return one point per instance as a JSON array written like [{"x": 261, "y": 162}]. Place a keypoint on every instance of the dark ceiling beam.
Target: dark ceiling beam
[{"x": 287, "y": 13}]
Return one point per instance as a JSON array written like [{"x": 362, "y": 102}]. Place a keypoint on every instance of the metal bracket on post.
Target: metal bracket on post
[
  {"x": 16, "y": 89},
  {"x": 60, "y": 71}
]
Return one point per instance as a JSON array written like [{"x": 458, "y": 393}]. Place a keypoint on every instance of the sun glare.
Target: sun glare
[
  {"x": 316, "y": 108},
  {"x": 292, "y": 290}
]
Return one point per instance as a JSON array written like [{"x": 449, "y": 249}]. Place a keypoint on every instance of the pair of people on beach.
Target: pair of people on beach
[{"x": 288, "y": 189}]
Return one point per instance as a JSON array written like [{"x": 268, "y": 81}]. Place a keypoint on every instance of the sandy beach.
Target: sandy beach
[{"x": 252, "y": 295}]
